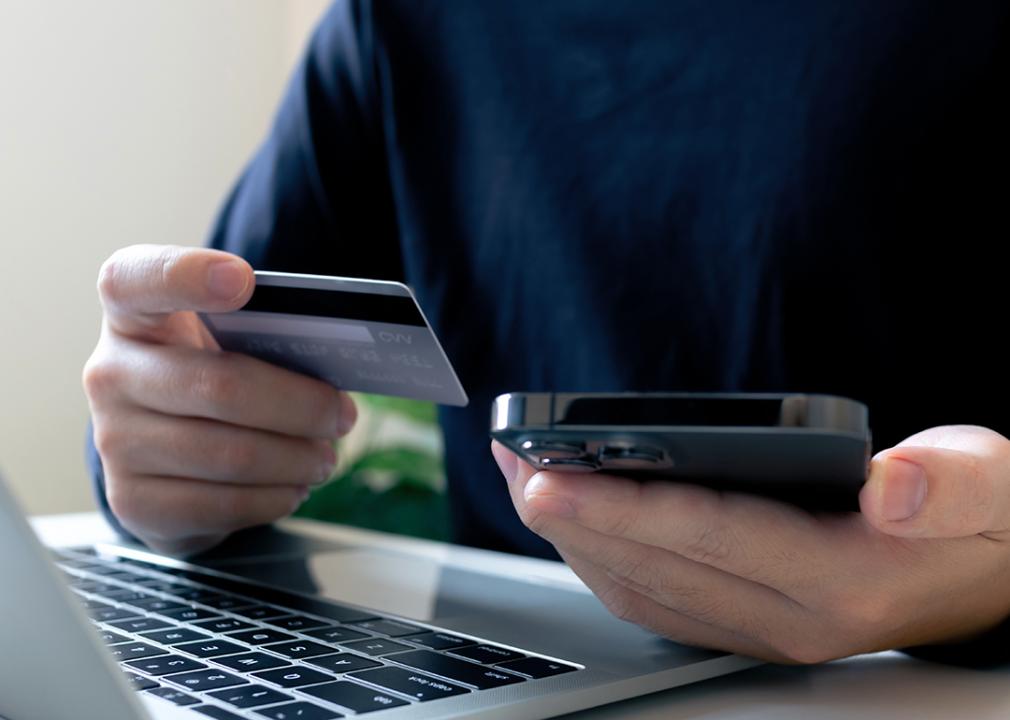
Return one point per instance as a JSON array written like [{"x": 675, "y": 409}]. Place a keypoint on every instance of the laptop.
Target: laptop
[{"x": 287, "y": 625}]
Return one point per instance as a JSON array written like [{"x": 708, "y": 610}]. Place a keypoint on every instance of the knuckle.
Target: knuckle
[
  {"x": 976, "y": 494},
  {"x": 122, "y": 500},
  {"x": 618, "y": 602},
  {"x": 710, "y": 545},
  {"x": 110, "y": 278},
  {"x": 98, "y": 378},
  {"x": 634, "y": 565},
  {"x": 627, "y": 514},
  {"x": 109, "y": 440},
  {"x": 534, "y": 520},
  {"x": 172, "y": 270},
  {"x": 216, "y": 385}
]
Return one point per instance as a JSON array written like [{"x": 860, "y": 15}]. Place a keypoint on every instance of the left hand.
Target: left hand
[{"x": 926, "y": 561}]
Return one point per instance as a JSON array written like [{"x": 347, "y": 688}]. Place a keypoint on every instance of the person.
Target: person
[{"x": 590, "y": 196}]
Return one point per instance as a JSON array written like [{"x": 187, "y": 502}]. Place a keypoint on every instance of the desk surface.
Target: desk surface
[{"x": 881, "y": 686}]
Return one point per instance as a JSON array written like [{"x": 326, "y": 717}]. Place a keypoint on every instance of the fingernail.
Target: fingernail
[
  {"x": 300, "y": 498},
  {"x": 508, "y": 463},
  {"x": 546, "y": 500},
  {"x": 347, "y": 414},
  {"x": 904, "y": 489},
  {"x": 227, "y": 279},
  {"x": 328, "y": 464}
]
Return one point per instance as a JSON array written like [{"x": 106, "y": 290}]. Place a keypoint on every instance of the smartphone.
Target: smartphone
[{"x": 809, "y": 450}]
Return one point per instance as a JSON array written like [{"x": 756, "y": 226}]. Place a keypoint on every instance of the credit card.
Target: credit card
[{"x": 361, "y": 335}]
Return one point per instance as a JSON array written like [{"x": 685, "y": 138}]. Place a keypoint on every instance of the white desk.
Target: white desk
[{"x": 880, "y": 687}]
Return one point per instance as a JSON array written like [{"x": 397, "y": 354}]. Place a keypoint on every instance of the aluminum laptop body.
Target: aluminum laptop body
[{"x": 425, "y": 638}]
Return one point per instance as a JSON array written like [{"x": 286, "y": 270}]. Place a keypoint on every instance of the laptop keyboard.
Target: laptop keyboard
[{"x": 230, "y": 649}]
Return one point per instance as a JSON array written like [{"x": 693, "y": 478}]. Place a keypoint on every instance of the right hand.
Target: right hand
[{"x": 195, "y": 442}]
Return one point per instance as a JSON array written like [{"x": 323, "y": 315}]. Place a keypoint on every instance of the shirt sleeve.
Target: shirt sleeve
[{"x": 316, "y": 196}]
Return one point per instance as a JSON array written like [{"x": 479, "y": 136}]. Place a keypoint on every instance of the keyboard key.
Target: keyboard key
[
  {"x": 174, "y": 696},
  {"x": 376, "y": 646},
  {"x": 410, "y": 682},
  {"x": 273, "y": 596},
  {"x": 189, "y": 614},
  {"x": 104, "y": 570},
  {"x": 462, "y": 671},
  {"x": 487, "y": 654},
  {"x": 249, "y": 696},
  {"x": 175, "y": 636},
  {"x": 225, "y": 602},
  {"x": 111, "y": 638},
  {"x": 261, "y": 636},
  {"x": 96, "y": 587},
  {"x": 167, "y": 587},
  {"x": 157, "y": 604},
  {"x": 165, "y": 665},
  {"x": 260, "y": 612},
  {"x": 294, "y": 677},
  {"x": 296, "y": 623},
  {"x": 197, "y": 594},
  {"x": 335, "y": 634},
  {"x": 251, "y": 661},
  {"x": 343, "y": 662},
  {"x": 211, "y": 648},
  {"x": 111, "y": 614},
  {"x": 356, "y": 697},
  {"x": 537, "y": 667},
  {"x": 123, "y": 595},
  {"x": 139, "y": 682},
  {"x": 392, "y": 628},
  {"x": 298, "y": 711},
  {"x": 440, "y": 641},
  {"x": 140, "y": 624},
  {"x": 213, "y": 711},
  {"x": 222, "y": 625},
  {"x": 299, "y": 649},
  {"x": 90, "y": 605},
  {"x": 134, "y": 651},
  {"x": 205, "y": 680},
  {"x": 123, "y": 576}
]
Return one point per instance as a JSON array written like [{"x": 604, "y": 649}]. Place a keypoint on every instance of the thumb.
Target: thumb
[
  {"x": 141, "y": 285},
  {"x": 944, "y": 482}
]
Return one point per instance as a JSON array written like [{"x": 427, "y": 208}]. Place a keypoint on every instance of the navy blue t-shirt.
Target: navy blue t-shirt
[{"x": 711, "y": 195}]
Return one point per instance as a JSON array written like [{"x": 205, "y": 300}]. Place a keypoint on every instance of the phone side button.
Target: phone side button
[
  {"x": 586, "y": 464},
  {"x": 630, "y": 457},
  {"x": 555, "y": 450}
]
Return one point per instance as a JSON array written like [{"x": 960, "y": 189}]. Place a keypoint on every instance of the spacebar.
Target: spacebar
[{"x": 462, "y": 671}]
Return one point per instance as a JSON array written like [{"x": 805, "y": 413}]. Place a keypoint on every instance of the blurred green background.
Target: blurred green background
[{"x": 389, "y": 474}]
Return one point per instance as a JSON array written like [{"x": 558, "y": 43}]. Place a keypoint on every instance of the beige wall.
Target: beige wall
[{"x": 121, "y": 121}]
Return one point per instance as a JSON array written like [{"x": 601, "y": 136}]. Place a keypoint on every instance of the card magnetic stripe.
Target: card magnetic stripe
[{"x": 367, "y": 307}]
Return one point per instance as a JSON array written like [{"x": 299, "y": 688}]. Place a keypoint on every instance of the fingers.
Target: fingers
[
  {"x": 626, "y": 601},
  {"x": 945, "y": 482},
  {"x": 172, "y": 512},
  {"x": 140, "y": 285},
  {"x": 748, "y": 536},
  {"x": 690, "y": 589},
  {"x": 146, "y": 443},
  {"x": 227, "y": 387}
]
